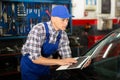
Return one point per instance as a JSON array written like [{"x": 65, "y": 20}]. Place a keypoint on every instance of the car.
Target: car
[
  {"x": 105, "y": 61},
  {"x": 106, "y": 57}
]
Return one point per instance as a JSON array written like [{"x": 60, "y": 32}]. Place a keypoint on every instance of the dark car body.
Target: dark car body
[
  {"x": 106, "y": 57},
  {"x": 105, "y": 61}
]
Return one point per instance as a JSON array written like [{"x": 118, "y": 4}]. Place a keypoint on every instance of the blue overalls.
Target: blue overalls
[{"x": 31, "y": 71}]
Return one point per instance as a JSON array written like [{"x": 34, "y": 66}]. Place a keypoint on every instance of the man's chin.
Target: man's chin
[{"x": 63, "y": 29}]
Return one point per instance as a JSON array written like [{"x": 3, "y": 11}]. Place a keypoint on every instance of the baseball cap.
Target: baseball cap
[{"x": 60, "y": 11}]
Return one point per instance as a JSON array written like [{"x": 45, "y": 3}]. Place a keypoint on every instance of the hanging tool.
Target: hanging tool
[
  {"x": 13, "y": 25},
  {"x": 0, "y": 11},
  {"x": 9, "y": 20},
  {"x": 5, "y": 13},
  {"x": 48, "y": 10},
  {"x": 48, "y": 13},
  {"x": 35, "y": 8},
  {"x": 38, "y": 10},
  {"x": 27, "y": 9},
  {"x": 31, "y": 23},
  {"x": 30, "y": 9},
  {"x": 13, "y": 8},
  {"x": 44, "y": 16},
  {"x": 21, "y": 12}
]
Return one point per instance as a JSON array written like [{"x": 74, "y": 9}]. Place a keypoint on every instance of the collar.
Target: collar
[{"x": 52, "y": 28}]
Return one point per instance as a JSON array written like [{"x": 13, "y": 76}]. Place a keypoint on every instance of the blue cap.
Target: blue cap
[{"x": 60, "y": 11}]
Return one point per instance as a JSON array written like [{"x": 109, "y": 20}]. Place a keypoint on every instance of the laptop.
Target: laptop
[{"x": 80, "y": 64}]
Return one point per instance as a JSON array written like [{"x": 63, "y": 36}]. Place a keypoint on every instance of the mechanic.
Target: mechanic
[{"x": 43, "y": 40}]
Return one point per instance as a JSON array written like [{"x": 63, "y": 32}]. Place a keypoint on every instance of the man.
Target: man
[{"x": 44, "y": 40}]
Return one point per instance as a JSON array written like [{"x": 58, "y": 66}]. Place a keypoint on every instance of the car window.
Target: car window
[{"x": 108, "y": 47}]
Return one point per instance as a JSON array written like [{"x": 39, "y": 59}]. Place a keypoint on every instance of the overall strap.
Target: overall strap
[
  {"x": 59, "y": 36},
  {"x": 47, "y": 30}
]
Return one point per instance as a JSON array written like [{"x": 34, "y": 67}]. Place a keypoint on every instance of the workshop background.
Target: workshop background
[{"x": 91, "y": 21}]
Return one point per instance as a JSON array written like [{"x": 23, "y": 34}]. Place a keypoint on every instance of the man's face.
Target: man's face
[{"x": 60, "y": 23}]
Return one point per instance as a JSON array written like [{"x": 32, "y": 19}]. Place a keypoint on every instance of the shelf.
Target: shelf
[
  {"x": 42, "y": 1},
  {"x": 9, "y": 73},
  {"x": 12, "y": 54},
  {"x": 12, "y": 37},
  {"x": 43, "y": 4}
]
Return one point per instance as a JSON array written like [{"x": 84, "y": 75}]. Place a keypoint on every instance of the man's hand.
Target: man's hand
[
  {"x": 67, "y": 61},
  {"x": 87, "y": 63}
]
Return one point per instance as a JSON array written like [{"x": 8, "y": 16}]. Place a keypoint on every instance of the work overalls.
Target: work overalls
[{"x": 31, "y": 71}]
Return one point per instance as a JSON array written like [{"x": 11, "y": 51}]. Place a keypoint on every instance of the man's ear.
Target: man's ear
[{"x": 52, "y": 18}]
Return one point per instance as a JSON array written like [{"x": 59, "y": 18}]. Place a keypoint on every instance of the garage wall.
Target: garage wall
[{"x": 79, "y": 9}]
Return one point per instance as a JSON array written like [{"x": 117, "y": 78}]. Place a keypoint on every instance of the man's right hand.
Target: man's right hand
[{"x": 67, "y": 61}]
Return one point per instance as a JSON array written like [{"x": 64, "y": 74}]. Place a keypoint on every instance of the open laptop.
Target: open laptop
[{"x": 81, "y": 60}]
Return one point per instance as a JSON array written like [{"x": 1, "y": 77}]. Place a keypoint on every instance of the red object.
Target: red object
[
  {"x": 92, "y": 39},
  {"x": 80, "y": 22},
  {"x": 48, "y": 13}
]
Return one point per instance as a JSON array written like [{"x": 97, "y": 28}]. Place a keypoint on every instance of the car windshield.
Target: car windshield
[{"x": 109, "y": 46}]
